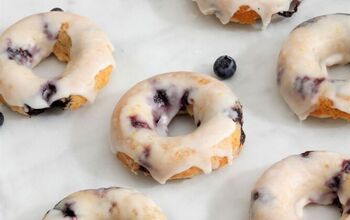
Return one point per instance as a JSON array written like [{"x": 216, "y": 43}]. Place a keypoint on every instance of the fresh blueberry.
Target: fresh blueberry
[
  {"x": 1, "y": 119},
  {"x": 225, "y": 67},
  {"x": 57, "y": 9}
]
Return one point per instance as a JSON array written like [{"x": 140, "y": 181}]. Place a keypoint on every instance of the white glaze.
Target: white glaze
[
  {"x": 311, "y": 48},
  {"x": 106, "y": 204},
  {"x": 289, "y": 185},
  {"x": 91, "y": 52},
  {"x": 225, "y": 9},
  {"x": 212, "y": 106}
]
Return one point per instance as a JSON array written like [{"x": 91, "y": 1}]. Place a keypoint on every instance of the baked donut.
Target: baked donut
[
  {"x": 310, "y": 178},
  {"x": 248, "y": 11},
  {"x": 141, "y": 117},
  {"x": 302, "y": 67},
  {"x": 74, "y": 40},
  {"x": 105, "y": 204}
]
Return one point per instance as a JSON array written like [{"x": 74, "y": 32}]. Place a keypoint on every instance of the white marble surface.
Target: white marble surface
[{"x": 44, "y": 158}]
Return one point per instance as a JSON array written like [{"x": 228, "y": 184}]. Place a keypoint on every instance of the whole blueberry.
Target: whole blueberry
[
  {"x": 1, "y": 119},
  {"x": 225, "y": 67}
]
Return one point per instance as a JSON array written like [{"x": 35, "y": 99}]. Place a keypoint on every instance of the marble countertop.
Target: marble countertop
[{"x": 44, "y": 158}]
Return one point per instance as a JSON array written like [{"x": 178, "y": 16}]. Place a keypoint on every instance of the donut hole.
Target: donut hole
[
  {"x": 181, "y": 124},
  {"x": 49, "y": 68},
  {"x": 339, "y": 72},
  {"x": 312, "y": 212},
  {"x": 59, "y": 56}
]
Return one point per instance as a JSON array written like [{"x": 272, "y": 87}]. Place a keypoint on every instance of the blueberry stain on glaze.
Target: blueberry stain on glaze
[
  {"x": 290, "y": 13},
  {"x": 161, "y": 98},
  {"x": 261, "y": 195},
  {"x": 184, "y": 100},
  {"x": 61, "y": 103},
  {"x": 306, "y": 154},
  {"x": 255, "y": 196},
  {"x": 136, "y": 123},
  {"x": 2, "y": 119},
  {"x": 49, "y": 35},
  {"x": 143, "y": 159},
  {"x": 335, "y": 182},
  {"x": 346, "y": 166},
  {"x": 239, "y": 114},
  {"x": 32, "y": 111},
  {"x": 306, "y": 86},
  {"x": 280, "y": 74},
  {"x": 21, "y": 56},
  {"x": 67, "y": 211},
  {"x": 48, "y": 90}
]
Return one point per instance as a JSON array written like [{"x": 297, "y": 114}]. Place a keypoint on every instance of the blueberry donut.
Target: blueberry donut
[
  {"x": 142, "y": 115},
  {"x": 74, "y": 40},
  {"x": 302, "y": 68},
  {"x": 248, "y": 11},
  {"x": 105, "y": 204},
  {"x": 309, "y": 178}
]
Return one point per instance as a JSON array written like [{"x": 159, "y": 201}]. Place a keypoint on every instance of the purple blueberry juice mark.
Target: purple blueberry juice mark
[
  {"x": 184, "y": 100},
  {"x": 48, "y": 90},
  {"x": 21, "y": 56},
  {"x": 242, "y": 138},
  {"x": 306, "y": 86},
  {"x": 49, "y": 35},
  {"x": 143, "y": 158},
  {"x": 346, "y": 166},
  {"x": 335, "y": 182},
  {"x": 2, "y": 119},
  {"x": 255, "y": 196},
  {"x": 61, "y": 103},
  {"x": 32, "y": 111},
  {"x": 306, "y": 154},
  {"x": 161, "y": 98},
  {"x": 294, "y": 5},
  {"x": 67, "y": 211},
  {"x": 236, "y": 113},
  {"x": 279, "y": 75},
  {"x": 136, "y": 123},
  {"x": 261, "y": 195}
]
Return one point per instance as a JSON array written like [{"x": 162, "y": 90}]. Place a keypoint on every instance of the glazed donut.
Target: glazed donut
[
  {"x": 302, "y": 67},
  {"x": 248, "y": 11},
  {"x": 105, "y": 204},
  {"x": 142, "y": 115},
  {"x": 72, "y": 39},
  {"x": 310, "y": 178}
]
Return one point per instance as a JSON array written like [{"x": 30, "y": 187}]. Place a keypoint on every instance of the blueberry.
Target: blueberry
[
  {"x": 1, "y": 119},
  {"x": 225, "y": 67},
  {"x": 56, "y": 9}
]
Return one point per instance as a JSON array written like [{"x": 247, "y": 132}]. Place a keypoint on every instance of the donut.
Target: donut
[
  {"x": 140, "y": 123},
  {"x": 74, "y": 40},
  {"x": 248, "y": 11},
  {"x": 292, "y": 183},
  {"x": 302, "y": 73},
  {"x": 105, "y": 204}
]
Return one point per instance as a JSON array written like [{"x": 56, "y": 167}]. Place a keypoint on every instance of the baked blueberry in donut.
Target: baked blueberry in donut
[
  {"x": 22, "y": 49},
  {"x": 302, "y": 75},
  {"x": 141, "y": 118},
  {"x": 105, "y": 204}
]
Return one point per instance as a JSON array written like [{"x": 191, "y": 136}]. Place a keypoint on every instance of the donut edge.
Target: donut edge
[
  {"x": 325, "y": 109},
  {"x": 236, "y": 140}
]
